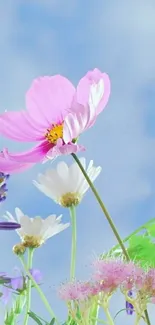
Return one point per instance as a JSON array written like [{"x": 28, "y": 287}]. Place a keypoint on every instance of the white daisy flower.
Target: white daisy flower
[
  {"x": 35, "y": 231},
  {"x": 66, "y": 185}
]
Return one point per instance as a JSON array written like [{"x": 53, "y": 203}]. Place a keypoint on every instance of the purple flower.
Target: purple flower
[
  {"x": 37, "y": 276},
  {"x": 6, "y": 295},
  {"x": 129, "y": 306},
  {"x": 3, "y": 186},
  {"x": 9, "y": 225},
  {"x": 3, "y": 177},
  {"x": 17, "y": 283}
]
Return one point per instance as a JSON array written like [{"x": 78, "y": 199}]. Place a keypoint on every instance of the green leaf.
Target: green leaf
[
  {"x": 35, "y": 318},
  {"x": 52, "y": 322},
  {"x": 142, "y": 249},
  {"x": 151, "y": 229}
]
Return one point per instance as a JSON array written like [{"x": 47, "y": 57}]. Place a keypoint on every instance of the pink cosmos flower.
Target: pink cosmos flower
[
  {"x": 56, "y": 115},
  {"x": 8, "y": 165}
]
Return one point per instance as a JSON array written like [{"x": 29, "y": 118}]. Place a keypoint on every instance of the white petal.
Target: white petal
[
  {"x": 19, "y": 214},
  {"x": 26, "y": 225},
  {"x": 36, "y": 226},
  {"x": 8, "y": 216},
  {"x": 56, "y": 183}
]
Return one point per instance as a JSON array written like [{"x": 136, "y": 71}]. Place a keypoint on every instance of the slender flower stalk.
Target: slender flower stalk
[
  {"x": 37, "y": 287},
  {"x": 129, "y": 236},
  {"x": 108, "y": 217},
  {"x": 73, "y": 251},
  {"x": 102, "y": 207},
  {"x": 28, "y": 293},
  {"x": 108, "y": 316}
]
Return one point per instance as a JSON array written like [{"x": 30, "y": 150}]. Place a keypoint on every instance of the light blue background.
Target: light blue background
[{"x": 70, "y": 37}]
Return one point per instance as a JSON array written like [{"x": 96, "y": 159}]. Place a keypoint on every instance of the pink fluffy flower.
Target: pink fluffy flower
[
  {"x": 110, "y": 273},
  {"x": 56, "y": 114},
  {"x": 149, "y": 283},
  {"x": 133, "y": 277},
  {"x": 75, "y": 291}
]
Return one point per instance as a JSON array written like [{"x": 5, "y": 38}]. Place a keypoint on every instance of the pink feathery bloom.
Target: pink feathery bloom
[
  {"x": 149, "y": 283},
  {"x": 75, "y": 291},
  {"x": 110, "y": 273},
  {"x": 56, "y": 115},
  {"x": 133, "y": 277}
]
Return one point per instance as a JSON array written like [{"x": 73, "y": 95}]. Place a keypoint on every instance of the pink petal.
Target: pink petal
[
  {"x": 49, "y": 99},
  {"x": 98, "y": 84},
  {"x": 17, "y": 126},
  {"x": 34, "y": 155},
  {"x": 77, "y": 122},
  {"x": 11, "y": 166},
  {"x": 64, "y": 149},
  {"x": 91, "y": 97}
]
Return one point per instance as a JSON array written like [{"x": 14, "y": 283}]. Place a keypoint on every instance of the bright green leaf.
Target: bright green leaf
[{"x": 35, "y": 318}]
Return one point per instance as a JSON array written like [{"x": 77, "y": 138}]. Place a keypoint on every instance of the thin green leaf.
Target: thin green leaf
[
  {"x": 35, "y": 318},
  {"x": 52, "y": 322}
]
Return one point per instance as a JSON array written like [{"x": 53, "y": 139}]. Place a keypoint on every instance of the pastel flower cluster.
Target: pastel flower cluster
[
  {"x": 109, "y": 276},
  {"x": 56, "y": 115}
]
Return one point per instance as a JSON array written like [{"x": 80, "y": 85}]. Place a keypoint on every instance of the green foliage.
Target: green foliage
[
  {"x": 141, "y": 247},
  {"x": 39, "y": 320},
  {"x": 35, "y": 318},
  {"x": 52, "y": 322}
]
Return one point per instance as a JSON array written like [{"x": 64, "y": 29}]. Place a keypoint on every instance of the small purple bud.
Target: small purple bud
[
  {"x": 9, "y": 225},
  {"x": 129, "y": 306}
]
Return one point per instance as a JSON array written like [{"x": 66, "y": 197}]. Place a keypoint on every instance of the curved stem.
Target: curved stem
[
  {"x": 108, "y": 217},
  {"x": 73, "y": 251},
  {"x": 28, "y": 291},
  {"x": 129, "y": 236},
  {"x": 107, "y": 313},
  {"x": 37, "y": 287},
  {"x": 106, "y": 213}
]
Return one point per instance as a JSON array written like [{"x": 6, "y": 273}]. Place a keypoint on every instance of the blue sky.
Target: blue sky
[{"x": 70, "y": 37}]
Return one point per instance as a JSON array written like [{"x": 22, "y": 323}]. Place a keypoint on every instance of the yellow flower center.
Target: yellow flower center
[
  {"x": 70, "y": 199},
  {"x": 32, "y": 241},
  {"x": 55, "y": 133}
]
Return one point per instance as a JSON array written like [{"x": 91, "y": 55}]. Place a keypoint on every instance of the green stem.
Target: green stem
[
  {"x": 108, "y": 316},
  {"x": 73, "y": 251},
  {"x": 129, "y": 236},
  {"x": 37, "y": 287},
  {"x": 147, "y": 317},
  {"x": 137, "y": 320},
  {"x": 98, "y": 320},
  {"x": 108, "y": 217},
  {"x": 28, "y": 291}
]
